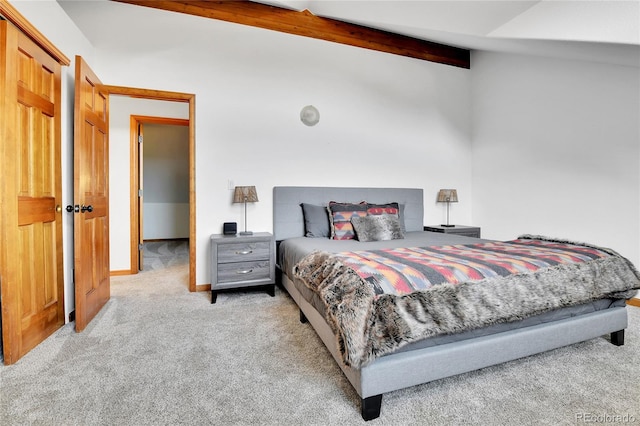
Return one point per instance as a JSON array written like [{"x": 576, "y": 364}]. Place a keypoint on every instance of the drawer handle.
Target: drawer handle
[
  {"x": 244, "y": 252},
  {"x": 244, "y": 271}
]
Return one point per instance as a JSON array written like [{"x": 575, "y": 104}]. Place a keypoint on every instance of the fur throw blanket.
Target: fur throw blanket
[{"x": 368, "y": 326}]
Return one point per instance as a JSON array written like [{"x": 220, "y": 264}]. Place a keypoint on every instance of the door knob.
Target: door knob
[
  {"x": 71, "y": 208},
  {"x": 88, "y": 208}
]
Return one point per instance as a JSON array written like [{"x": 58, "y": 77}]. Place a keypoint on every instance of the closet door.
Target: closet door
[
  {"x": 91, "y": 193},
  {"x": 30, "y": 219}
]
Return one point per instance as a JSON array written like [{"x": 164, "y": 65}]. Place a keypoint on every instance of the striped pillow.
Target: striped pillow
[{"x": 340, "y": 215}]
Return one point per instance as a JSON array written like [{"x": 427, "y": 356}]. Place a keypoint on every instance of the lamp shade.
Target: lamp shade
[
  {"x": 245, "y": 194},
  {"x": 447, "y": 196}
]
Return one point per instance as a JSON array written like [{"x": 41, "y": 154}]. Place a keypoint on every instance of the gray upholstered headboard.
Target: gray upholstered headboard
[{"x": 287, "y": 213}]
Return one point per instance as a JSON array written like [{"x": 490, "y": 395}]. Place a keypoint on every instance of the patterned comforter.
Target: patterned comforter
[
  {"x": 405, "y": 270},
  {"x": 377, "y": 301}
]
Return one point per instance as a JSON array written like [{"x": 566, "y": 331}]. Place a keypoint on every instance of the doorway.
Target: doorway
[
  {"x": 163, "y": 189},
  {"x": 156, "y": 95}
]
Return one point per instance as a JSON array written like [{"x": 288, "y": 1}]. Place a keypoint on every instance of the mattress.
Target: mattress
[{"x": 292, "y": 250}]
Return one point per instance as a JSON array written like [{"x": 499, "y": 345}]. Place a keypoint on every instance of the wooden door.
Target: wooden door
[
  {"x": 30, "y": 215},
  {"x": 91, "y": 194}
]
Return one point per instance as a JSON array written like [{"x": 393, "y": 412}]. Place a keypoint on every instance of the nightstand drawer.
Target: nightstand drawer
[
  {"x": 474, "y": 234},
  {"x": 244, "y": 271},
  {"x": 243, "y": 252}
]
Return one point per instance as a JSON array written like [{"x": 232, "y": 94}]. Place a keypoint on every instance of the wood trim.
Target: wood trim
[
  {"x": 133, "y": 197},
  {"x": 16, "y": 18},
  {"x": 169, "y": 121},
  {"x": 160, "y": 95},
  {"x": 634, "y": 302},
  {"x": 157, "y": 240},
  {"x": 191, "y": 100},
  {"x": 307, "y": 24},
  {"x": 8, "y": 200},
  {"x": 192, "y": 194},
  {"x": 203, "y": 287},
  {"x": 119, "y": 273}
]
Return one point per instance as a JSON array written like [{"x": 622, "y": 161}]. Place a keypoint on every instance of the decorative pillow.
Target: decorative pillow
[
  {"x": 316, "y": 221},
  {"x": 389, "y": 208},
  {"x": 377, "y": 227},
  {"x": 401, "y": 216},
  {"x": 340, "y": 217}
]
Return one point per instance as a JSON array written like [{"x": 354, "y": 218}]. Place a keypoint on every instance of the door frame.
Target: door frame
[
  {"x": 174, "y": 97},
  {"x": 16, "y": 18},
  {"x": 136, "y": 216}
]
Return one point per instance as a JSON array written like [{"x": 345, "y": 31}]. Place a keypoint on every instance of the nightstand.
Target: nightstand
[
  {"x": 239, "y": 261},
  {"x": 467, "y": 231}
]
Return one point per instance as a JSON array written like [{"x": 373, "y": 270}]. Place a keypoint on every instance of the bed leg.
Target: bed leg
[
  {"x": 370, "y": 407},
  {"x": 617, "y": 337},
  {"x": 303, "y": 317},
  {"x": 214, "y": 296}
]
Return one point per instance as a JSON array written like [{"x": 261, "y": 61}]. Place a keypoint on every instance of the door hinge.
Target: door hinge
[
  {"x": 139, "y": 138},
  {"x": 139, "y": 192},
  {"x": 140, "y": 246}
]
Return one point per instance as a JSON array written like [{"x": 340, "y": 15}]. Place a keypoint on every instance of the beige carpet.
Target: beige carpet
[
  {"x": 159, "y": 355},
  {"x": 165, "y": 253}
]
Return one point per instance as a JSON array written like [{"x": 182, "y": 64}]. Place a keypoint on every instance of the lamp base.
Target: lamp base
[
  {"x": 246, "y": 232},
  {"x": 448, "y": 226}
]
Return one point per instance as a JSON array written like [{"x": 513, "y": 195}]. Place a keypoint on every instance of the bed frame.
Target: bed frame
[{"x": 405, "y": 369}]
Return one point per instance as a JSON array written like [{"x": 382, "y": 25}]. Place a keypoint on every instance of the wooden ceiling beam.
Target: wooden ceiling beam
[{"x": 307, "y": 24}]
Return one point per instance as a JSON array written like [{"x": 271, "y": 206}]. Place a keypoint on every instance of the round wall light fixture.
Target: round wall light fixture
[{"x": 310, "y": 115}]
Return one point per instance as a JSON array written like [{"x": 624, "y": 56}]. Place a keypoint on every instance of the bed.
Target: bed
[{"x": 426, "y": 355}]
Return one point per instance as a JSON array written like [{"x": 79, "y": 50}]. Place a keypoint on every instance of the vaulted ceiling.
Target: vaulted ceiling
[{"x": 601, "y": 31}]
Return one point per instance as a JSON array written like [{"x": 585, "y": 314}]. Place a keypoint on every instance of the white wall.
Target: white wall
[
  {"x": 556, "y": 150},
  {"x": 166, "y": 221},
  {"x": 166, "y": 181},
  {"x": 385, "y": 120}
]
